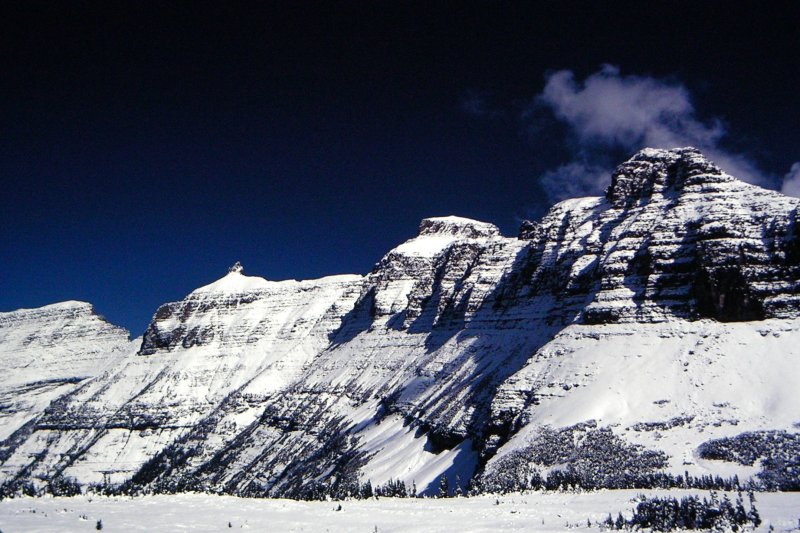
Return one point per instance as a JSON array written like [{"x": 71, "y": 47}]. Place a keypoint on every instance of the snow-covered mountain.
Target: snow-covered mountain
[
  {"x": 48, "y": 352},
  {"x": 653, "y": 330}
]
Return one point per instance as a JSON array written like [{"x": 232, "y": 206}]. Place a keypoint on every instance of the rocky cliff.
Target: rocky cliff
[{"x": 616, "y": 334}]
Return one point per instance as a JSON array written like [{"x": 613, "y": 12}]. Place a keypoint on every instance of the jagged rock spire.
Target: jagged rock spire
[{"x": 236, "y": 268}]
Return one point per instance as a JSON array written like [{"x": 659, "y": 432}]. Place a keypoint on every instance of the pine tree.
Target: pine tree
[
  {"x": 458, "y": 491},
  {"x": 740, "y": 515},
  {"x": 366, "y": 490},
  {"x": 753, "y": 515},
  {"x": 444, "y": 487}
]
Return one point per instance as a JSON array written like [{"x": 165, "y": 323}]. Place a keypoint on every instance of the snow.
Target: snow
[
  {"x": 264, "y": 333},
  {"x": 455, "y": 331},
  {"x": 437, "y": 233},
  {"x": 235, "y": 282},
  {"x": 58, "y": 306},
  {"x": 48, "y": 352},
  {"x": 399, "y": 454},
  {"x": 426, "y": 245},
  {"x": 454, "y": 224},
  {"x": 730, "y": 377},
  {"x": 538, "y": 511},
  {"x": 462, "y": 221},
  {"x": 583, "y": 203}
]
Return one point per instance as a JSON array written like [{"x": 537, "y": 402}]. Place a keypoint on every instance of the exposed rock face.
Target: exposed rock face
[
  {"x": 657, "y": 172},
  {"x": 457, "y": 227},
  {"x": 462, "y": 351},
  {"x": 675, "y": 237}
]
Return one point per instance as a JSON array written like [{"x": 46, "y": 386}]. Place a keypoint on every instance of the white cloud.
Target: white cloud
[
  {"x": 613, "y": 110},
  {"x": 791, "y": 181},
  {"x": 608, "y": 110}
]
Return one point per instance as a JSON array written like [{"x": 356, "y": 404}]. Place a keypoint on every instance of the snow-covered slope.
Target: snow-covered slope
[
  {"x": 48, "y": 352},
  {"x": 667, "y": 387},
  {"x": 239, "y": 333},
  {"x": 616, "y": 334},
  {"x": 550, "y": 512}
]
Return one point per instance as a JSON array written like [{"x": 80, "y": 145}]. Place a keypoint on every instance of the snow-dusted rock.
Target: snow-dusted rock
[
  {"x": 239, "y": 333},
  {"x": 648, "y": 322},
  {"x": 48, "y": 352}
]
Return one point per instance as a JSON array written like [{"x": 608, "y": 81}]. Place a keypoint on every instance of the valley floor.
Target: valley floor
[{"x": 199, "y": 512}]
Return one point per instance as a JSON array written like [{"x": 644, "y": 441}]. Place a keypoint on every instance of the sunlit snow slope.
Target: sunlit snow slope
[{"x": 616, "y": 336}]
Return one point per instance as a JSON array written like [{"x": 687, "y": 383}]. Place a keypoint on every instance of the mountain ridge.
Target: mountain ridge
[{"x": 463, "y": 353}]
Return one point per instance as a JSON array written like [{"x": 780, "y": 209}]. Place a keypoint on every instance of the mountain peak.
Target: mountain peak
[
  {"x": 653, "y": 170},
  {"x": 234, "y": 282},
  {"x": 457, "y": 227},
  {"x": 437, "y": 233},
  {"x": 660, "y": 324}
]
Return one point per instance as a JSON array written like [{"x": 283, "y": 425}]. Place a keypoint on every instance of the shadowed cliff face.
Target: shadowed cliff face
[
  {"x": 458, "y": 345},
  {"x": 674, "y": 237}
]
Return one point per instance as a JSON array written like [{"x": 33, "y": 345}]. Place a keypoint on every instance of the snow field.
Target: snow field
[{"x": 545, "y": 512}]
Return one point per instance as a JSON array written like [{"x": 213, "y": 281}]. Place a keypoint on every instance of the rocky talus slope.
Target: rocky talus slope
[{"x": 653, "y": 330}]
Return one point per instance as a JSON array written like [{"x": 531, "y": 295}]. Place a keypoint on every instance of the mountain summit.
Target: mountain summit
[
  {"x": 619, "y": 341},
  {"x": 661, "y": 171},
  {"x": 458, "y": 227}
]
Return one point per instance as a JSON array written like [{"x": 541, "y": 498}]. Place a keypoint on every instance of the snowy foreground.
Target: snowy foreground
[{"x": 198, "y": 512}]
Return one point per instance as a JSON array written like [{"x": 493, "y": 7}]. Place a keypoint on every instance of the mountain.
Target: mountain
[
  {"x": 623, "y": 340},
  {"x": 49, "y": 352}
]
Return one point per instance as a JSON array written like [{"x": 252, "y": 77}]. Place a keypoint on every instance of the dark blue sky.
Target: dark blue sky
[{"x": 144, "y": 149}]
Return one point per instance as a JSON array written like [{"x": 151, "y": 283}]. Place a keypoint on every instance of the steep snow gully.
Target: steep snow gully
[{"x": 648, "y": 336}]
